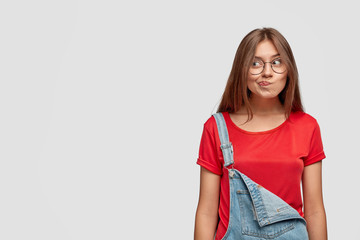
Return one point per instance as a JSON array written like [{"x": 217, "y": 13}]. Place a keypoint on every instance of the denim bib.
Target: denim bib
[{"x": 255, "y": 212}]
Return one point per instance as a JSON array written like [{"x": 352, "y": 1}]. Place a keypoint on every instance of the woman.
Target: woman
[{"x": 275, "y": 143}]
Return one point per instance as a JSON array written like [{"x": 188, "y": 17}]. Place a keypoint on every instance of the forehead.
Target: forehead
[{"x": 266, "y": 49}]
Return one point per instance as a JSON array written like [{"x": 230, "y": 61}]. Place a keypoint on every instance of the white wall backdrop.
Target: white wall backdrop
[{"x": 102, "y": 105}]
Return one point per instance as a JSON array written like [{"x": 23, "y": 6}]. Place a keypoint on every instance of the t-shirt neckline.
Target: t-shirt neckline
[{"x": 255, "y": 133}]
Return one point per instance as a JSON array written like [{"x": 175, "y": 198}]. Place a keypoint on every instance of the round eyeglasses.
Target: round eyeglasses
[{"x": 258, "y": 66}]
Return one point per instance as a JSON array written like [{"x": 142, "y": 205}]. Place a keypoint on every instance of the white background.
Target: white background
[{"x": 102, "y": 105}]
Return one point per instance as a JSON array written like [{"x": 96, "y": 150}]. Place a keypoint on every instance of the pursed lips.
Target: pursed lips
[{"x": 264, "y": 83}]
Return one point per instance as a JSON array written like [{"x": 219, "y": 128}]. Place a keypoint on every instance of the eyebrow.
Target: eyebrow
[{"x": 271, "y": 56}]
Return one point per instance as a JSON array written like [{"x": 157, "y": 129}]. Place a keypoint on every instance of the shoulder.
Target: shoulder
[
  {"x": 210, "y": 125},
  {"x": 304, "y": 120}
]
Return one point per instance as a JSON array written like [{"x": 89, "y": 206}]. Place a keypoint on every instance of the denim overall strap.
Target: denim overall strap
[{"x": 226, "y": 145}]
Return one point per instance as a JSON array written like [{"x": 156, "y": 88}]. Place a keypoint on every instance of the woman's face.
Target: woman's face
[{"x": 274, "y": 82}]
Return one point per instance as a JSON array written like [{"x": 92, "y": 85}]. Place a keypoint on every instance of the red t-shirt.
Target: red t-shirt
[{"x": 274, "y": 158}]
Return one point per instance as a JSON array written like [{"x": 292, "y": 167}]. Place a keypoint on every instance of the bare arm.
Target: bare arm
[
  {"x": 207, "y": 211},
  {"x": 314, "y": 210}
]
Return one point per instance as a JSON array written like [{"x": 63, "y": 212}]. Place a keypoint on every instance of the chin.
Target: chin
[{"x": 266, "y": 96}]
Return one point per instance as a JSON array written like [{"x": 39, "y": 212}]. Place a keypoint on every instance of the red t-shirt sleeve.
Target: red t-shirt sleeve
[
  {"x": 208, "y": 153},
  {"x": 316, "y": 152}
]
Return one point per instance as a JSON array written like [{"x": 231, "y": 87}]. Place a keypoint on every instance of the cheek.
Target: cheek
[
  {"x": 251, "y": 85},
  {"x": 283, "y": 81},
  {"x": 281, "y": 84},
  {"x": 251, "y": 80}
]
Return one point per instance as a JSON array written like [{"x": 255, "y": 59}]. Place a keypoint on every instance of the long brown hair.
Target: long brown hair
[{"x": 236, "y": 94}]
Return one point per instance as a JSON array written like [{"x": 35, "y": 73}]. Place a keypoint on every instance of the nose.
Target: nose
[{"x": 267, "y": 69}]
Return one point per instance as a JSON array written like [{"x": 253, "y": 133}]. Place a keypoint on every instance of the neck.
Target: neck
[{"x": 261, "y": 105}]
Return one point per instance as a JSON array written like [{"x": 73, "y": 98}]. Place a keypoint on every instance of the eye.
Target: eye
[
  {"x": 277, "y": 61},
  {"x": 257, "y": 63}
]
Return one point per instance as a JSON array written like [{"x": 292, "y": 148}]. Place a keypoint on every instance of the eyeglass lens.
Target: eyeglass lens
[{"x": 258, "y": 66}]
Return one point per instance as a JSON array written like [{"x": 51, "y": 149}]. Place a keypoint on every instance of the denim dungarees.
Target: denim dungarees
[{"x": 255, "y": 212}]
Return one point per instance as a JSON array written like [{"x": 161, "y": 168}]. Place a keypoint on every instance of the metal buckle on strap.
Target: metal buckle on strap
[
  {"x": 231, "y": 173},
  {"x": 227, "y": 145}
]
